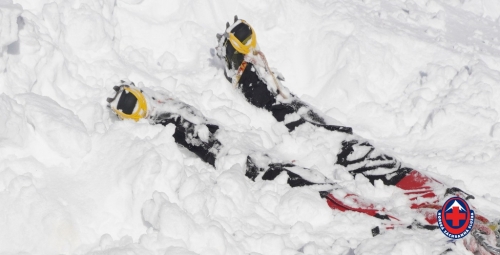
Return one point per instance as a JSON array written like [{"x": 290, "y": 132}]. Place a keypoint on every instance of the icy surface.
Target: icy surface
[{"x": 418, "y": 78}]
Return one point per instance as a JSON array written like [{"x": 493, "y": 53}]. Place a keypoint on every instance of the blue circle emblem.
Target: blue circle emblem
[{"x": 456, "y": 218}]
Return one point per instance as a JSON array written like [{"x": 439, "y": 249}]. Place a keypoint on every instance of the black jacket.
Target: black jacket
[{"x": 255, "y": 89}]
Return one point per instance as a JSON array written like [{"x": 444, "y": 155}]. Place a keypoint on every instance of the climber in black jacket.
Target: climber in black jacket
[{"x": 247, "y": 69}]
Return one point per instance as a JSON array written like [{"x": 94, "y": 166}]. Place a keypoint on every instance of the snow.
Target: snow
[
  {"x": 418, "y": 78},
  {"x": 455, "y": 204}
]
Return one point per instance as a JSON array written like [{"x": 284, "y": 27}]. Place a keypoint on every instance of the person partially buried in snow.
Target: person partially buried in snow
[{"x": 247, "y": 70}]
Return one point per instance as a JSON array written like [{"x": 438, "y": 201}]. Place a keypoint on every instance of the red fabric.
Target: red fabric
[
  {"x": 362, "y": 206},
  {"x": 415, "y": 181},
  {"x": 416, "y": 186},
  {"x": 335, "y": 203}
]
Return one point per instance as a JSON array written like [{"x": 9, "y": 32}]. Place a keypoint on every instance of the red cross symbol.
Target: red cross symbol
[{"x": 455, "y": 216}]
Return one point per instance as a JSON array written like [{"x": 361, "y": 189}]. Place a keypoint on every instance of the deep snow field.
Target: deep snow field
[{"x": 418, "y": 78}]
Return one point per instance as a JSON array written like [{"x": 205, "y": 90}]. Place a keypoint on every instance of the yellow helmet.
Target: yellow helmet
[{"x": 129, "y": 102}]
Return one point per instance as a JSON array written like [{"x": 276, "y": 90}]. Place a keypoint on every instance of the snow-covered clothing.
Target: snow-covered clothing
[
  {"x": 247, "y": 69},
  {"x": 250, "y": 75}
]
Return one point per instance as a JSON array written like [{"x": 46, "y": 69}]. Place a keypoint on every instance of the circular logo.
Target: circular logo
[{"x": 455, "y": 219}]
